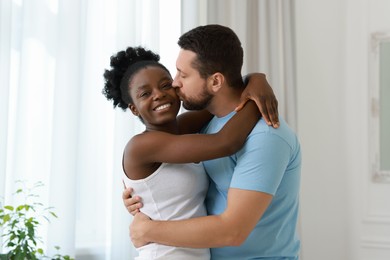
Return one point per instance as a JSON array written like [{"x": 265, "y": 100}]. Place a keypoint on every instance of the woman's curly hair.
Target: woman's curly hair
[{"x": 114, "y": 89}]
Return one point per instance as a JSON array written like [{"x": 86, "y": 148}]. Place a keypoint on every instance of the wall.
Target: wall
[
  {"x": 321, "y": 124},
  {"x": 345, "y": 215}
]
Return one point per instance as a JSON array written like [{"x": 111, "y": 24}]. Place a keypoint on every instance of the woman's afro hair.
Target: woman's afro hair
[{"x": 119, "y": 63}]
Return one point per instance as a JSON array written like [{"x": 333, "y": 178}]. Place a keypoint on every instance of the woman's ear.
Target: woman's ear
[
  {"x": 133, "y": 110},
  {"x": 216, "y": 81}
]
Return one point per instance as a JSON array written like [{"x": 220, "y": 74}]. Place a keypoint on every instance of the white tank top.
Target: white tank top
[{"x": 172, "y": 192}]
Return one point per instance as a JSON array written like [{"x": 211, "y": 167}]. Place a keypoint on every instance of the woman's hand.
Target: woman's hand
[{"x": 259, "y": 90}]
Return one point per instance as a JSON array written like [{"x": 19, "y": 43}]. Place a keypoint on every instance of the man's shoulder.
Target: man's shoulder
[
  {"x": 265, "y": 133},
  {"x": 262, "y": 127}
]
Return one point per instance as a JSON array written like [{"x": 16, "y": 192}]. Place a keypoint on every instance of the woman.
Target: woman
[{"x": 161, "y": 163}]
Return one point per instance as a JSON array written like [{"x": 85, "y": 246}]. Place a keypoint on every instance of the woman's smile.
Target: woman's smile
[{"x": 162, "y": 107}]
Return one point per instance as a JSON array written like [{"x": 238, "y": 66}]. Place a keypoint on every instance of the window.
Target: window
[{"x": 380, "y": 107}]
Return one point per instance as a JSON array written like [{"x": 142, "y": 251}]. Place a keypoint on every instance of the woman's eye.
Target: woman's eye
[
  {"x": 144, "y": 94},
  {"x": 167, "y": 86}
]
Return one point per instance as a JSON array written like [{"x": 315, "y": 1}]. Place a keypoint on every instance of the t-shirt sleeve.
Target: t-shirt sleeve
[{"x": 261, "y": 163}]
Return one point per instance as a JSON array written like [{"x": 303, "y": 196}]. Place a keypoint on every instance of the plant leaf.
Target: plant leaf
[
  {"x": 9, "y": 207},
  {"x": 19, "y": 208},
  {"x": 6, "y": 218}
]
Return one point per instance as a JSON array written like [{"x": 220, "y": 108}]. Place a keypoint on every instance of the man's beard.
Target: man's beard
[{"x": 199, "y": 103}]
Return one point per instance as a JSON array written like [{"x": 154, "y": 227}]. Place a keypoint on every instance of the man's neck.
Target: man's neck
[{"x": 224, "y": 102}]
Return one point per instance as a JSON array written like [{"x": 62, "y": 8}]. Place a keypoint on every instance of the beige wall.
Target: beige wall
[{"x": 345, "y": 216}]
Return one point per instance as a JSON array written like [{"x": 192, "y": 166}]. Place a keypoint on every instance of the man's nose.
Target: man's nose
[{"x": 176, "y": 83}]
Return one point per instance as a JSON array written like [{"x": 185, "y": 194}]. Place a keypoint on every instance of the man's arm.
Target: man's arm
[
  {"x": 259, "y": 170},
  {"x": 231, "y": 228}
]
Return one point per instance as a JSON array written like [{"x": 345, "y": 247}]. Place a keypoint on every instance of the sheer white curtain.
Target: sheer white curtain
[
  {"x": 266, "y": 30},
  {"x": 57, "y": 127}
]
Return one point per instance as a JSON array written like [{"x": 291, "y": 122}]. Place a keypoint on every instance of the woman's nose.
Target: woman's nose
[{"x": 158, "y": 94}]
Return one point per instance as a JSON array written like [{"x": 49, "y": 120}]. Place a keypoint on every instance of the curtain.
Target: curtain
[
  {"x": 266, "y": 31},
  {"x": 57, "y": 127}
]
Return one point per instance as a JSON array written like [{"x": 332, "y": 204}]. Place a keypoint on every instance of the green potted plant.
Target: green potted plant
[{"x": 19, "y": 226}]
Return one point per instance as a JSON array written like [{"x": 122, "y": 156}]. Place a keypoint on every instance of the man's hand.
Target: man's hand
[
  {"x": 132, "y": 204},
  {"x": 259, "y": 90},
  {"x": 138, "y": 228}
]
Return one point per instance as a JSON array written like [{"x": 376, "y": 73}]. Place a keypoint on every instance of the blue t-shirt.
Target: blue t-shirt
[{"x": 270, "y": 162}]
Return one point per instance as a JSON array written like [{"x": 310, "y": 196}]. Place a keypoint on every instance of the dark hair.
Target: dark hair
[
  {"x": 218, "y": 49},
  {"x": 124, "y": 65}
]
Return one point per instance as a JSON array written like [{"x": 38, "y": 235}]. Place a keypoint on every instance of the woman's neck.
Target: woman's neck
[{"x": 172, "y": 128}]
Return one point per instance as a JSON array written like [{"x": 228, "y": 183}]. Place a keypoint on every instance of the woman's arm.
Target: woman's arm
[
  {"x": 191, "y": 122},
  {"x": 191, "y": 148},
  {"x": 159, "y": 146},
  {"x": 258, "y": 89}
]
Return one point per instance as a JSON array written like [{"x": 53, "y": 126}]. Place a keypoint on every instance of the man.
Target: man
[{"x": 253, "y": 196}]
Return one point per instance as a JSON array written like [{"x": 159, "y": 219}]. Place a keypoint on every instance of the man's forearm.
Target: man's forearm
[
  {"x": 231, "y": 228},
  {"x": 203, "y": 232}
]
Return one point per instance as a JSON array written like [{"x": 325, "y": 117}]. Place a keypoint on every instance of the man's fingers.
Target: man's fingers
[
  {"x": 131, "y": 201},
  {"x": 133, "y": 206},
  {"x": 127, "y": 193},
  {"x": 135, "y": 212}
]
